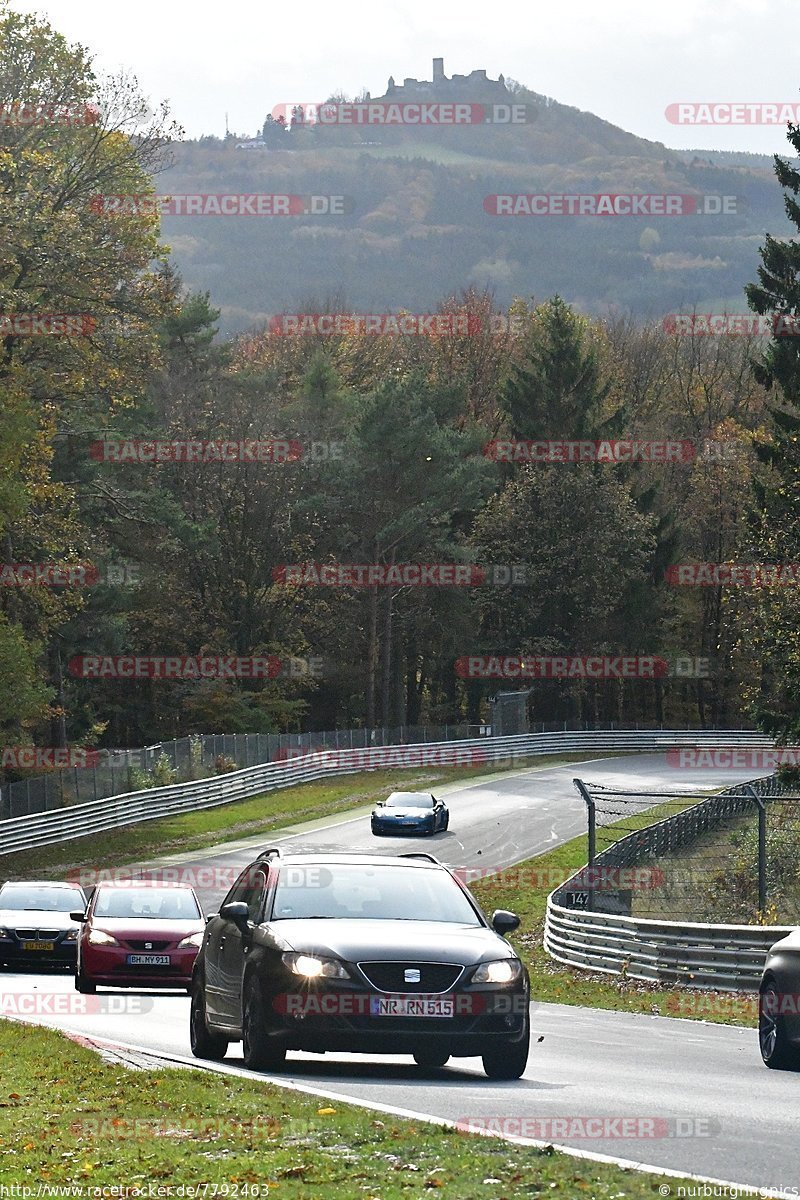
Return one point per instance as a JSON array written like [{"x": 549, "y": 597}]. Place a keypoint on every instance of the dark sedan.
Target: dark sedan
[
  {"x": 359, "y": 954},
  {"x": 410, "y": 812},
  {"x": 779, "y": 1005},
  {"x": 35, "y": 923}
]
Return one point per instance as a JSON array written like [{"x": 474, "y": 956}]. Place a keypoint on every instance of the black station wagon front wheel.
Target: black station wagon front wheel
[
  {"x": 261, "y": 1052},
  {"x": 507, "y": 1060}
]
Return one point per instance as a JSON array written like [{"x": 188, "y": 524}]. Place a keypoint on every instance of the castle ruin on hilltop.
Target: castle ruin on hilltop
[{"x": 475, "y": 86}]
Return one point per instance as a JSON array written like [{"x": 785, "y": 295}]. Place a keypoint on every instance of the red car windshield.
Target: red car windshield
[{"x": 170, "y": 904}]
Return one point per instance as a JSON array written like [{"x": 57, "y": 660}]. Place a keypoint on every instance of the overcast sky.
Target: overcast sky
[{"x": 622, "y": 59}]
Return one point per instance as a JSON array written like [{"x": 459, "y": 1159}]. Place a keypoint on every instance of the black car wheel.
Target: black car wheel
[
  {"x": 508, "y": 1059},
  {"x": 205, "y": 1044},
  {"x": 83, "y": 985},
  {"x": 261, "y": 1052},
  {"x": 431, "y": 1058},
  {"x": 776, "y": 1050}
]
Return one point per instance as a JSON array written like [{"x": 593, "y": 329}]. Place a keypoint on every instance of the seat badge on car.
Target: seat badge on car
[{"x": 411, "y": 975}]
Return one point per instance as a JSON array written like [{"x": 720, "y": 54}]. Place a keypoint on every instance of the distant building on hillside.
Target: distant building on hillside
[{"x": 475, "y": 86}]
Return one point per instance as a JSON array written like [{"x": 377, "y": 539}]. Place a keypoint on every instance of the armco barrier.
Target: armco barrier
[
  {"x": 727, "y": 957},
  {"x": 96, "y": 816},
  {"x": 682, "y": 953}
]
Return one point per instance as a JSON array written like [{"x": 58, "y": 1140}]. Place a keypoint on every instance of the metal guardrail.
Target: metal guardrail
[
  {"x": 727, "y": 957},
  {"x": 687, "y": 954},
  {"x": 81, "y": 820}
]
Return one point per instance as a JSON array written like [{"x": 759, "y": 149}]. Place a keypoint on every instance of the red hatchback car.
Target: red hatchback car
[{"x": 139, "y": 934}]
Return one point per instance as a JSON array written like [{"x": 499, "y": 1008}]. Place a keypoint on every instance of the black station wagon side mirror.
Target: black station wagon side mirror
[
  {"x": 504, "y": 922},
  {"x": 237, "y": 912}
]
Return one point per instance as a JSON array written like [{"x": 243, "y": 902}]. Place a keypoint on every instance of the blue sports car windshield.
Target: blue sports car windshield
[{"x": 409, "y": 800}]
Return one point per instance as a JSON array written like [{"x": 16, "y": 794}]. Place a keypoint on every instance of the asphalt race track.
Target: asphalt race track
[{"x": 695, "y": 1097}]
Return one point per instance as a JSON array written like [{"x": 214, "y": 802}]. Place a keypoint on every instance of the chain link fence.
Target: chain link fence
[
  {"x": 731, "y": 858},
  {"x": 199, "y": 757}
]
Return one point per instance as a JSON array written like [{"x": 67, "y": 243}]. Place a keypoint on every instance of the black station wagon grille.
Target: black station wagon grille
[
  {"x": 38, "y": 935},
  {"x": 426, "y": 977}
]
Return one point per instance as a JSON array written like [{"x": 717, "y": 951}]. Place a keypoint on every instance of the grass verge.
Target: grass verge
[
  {"x": 524, "y": 889},
  {"x": 264, "y": 814},
  {"x": 68, "y": 1117}
]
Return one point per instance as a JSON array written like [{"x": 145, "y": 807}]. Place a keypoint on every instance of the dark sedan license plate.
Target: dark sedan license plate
[
  {"x": 38, "y": 945},
  {"x": 149, "y": 960},
  {"x": 412, "y": 1006}
]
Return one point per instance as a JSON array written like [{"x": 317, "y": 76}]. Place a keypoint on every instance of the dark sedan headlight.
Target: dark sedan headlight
[
  {"x": 309, "y": 966},
  {"x": 502, "y": 970},
  {"x": 5, "y": 933},
  {"x": 72, "y": 934}
]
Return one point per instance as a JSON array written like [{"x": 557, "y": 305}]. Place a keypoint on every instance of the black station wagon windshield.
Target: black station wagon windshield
[{"x": 347, "y": 890}]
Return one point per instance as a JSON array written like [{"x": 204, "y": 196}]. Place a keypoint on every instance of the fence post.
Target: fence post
[
  {"x": 762, "y": 850},
  {"x": 592, "y": 837}
]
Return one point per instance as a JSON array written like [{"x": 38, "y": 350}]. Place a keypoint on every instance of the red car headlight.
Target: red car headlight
[
  {"x": 98, "y": 938},
  {"x": 194, "y": 939}
]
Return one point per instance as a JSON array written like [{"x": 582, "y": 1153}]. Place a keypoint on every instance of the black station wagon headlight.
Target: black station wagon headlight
[
  {"x": 311, "y": 967},
  {"x": 503, "y": 970}
]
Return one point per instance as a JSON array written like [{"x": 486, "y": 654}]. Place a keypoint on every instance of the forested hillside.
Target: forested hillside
[
  {"x": 390, "y": 459},
  {"x": 416, "y": 227}
]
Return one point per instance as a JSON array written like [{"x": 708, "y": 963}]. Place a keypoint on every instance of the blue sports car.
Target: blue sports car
[{"x": 410, "y": 812}]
